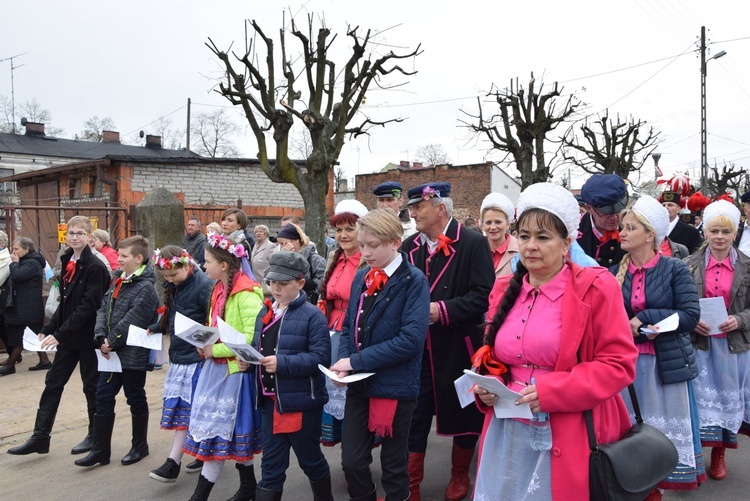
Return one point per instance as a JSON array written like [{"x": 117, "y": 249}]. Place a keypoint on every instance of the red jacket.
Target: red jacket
[{"x": 595, "y": 325}]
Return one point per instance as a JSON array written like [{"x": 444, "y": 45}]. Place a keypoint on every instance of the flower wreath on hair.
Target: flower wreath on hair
[
  {"x": 429, "y": 192},
  {"x": 164, "y": 263},
  {"x": 222, "y": 242}
]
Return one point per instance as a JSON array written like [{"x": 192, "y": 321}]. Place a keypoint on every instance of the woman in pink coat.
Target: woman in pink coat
[{"x": 563, "y": 334}]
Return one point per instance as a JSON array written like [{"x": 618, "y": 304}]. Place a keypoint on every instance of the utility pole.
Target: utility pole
[
  {"x": 13, "y": 88},
  {"x": 187, "y": 132},
  {"x": 704, "y": 134}
]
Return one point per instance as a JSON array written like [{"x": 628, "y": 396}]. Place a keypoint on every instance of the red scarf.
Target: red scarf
[
  {"x": 382, "y": 412},
  {"x": 118, "y": 284},
  {"x": 375, "y": 280},
  {"x": 483, "y": 361},
  {"x": 610, "y": 235},
  {"x": 443, "y": 243},
  {"x": 70, "y": 271},
  {"x": 269, "y": 314}
]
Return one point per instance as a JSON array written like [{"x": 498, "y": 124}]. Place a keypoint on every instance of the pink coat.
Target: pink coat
[{"x": 595, "y": 324}]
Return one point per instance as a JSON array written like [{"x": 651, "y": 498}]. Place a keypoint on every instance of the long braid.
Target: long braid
[
  {"x": 164, "y": 322},
  {"x": 234, "y": 267},
  {"x": 622, "y": 271},
  {"x": 329, "y": 271},
  {"x": 509, "y": 299}
]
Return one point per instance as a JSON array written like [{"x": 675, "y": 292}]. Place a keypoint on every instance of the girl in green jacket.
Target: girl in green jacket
[{"x": 223, "y": 421}]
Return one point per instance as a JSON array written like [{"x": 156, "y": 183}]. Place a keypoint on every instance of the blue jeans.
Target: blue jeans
[
  {"x": 306, "y": 445},
  {"x": 132, "y": 382}
]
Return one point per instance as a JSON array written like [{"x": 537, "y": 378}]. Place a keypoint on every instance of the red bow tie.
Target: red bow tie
[
  {"x": 70, "y": 271},
  {"x": 375, "y": 280},
  {"x": 269, "y": 314},
  {"x": 610, "y": 235},
  {"x": 443, "y": 243},
  {"x": 118, "y": 284}
]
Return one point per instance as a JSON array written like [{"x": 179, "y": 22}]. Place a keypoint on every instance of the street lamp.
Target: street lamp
[{"x": 704, "y": 148}]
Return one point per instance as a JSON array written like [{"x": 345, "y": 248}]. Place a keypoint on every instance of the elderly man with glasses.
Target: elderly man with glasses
[{"x": 605, "y": 196}]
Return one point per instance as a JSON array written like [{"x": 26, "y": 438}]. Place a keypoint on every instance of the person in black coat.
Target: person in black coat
[
  {"x": 458, "y": 266},
  {"x": 85, "y": 279},
  {"x": 680, "y": 232},
  {"x": 26, "y": 276}
]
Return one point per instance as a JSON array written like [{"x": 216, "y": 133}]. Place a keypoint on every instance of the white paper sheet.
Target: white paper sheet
[
  {"x": 31, "y": 342},
  {"x": 714, "y": 313},
  {"x": 668, "y": 324},
  {"x": 505, "y": 407},
  {"x": 111, "y": 365},
  {"x": 229, "y": 334},
  {"x": 245, "y": 352},
  {"x": 194, "y": 333},
  {"x": 138, "y": 337},
  {"x": 351, "y": 378},
  {"x": 465, "y": 390}
]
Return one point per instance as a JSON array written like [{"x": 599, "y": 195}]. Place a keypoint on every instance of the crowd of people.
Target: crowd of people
[{"x": 561, "y": 298}]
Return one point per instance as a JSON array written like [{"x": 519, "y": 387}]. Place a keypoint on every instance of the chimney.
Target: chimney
[
  {"x": 110, "y": 136},
  {"x": 34, "y": 129},
  {"x": 403, "y": 163},
  {"x": 343, "y": 186},
  {"x": 417, "y": 165},
  {"x": 153, "y": 141}
]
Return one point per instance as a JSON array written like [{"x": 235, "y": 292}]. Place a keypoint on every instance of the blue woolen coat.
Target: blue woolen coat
[
  {"x": 303, "y": 342},
  {"x": 669, "y": 289},
  {"x": 393, "y": 334}
]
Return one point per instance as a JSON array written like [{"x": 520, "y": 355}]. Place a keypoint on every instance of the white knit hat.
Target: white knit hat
[
  {"x": 721, "y": 208},
  {"x": 552, "y": 198},
  {"x": 656, "y": 215},
  {"x": 352, "y": 206},
  {"x": 500, "y": 202}
]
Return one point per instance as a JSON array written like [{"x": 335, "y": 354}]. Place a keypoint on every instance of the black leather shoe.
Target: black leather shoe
[
  {"x": 7, "y": 369},
  {"x": 41, "y": 367},
  {"x": 194, "y": 467}
]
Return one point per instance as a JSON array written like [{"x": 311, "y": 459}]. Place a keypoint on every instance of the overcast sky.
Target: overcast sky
[{"x": 136, "y": 61}]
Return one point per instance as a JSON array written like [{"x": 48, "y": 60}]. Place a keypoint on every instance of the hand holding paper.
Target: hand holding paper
[
  {"x": 111, "y": 363},
  {"x": 139, "y": 337},
  {"x": 31, "y": 342},
  {"x": 506, "y": 398},
  {"x": 669, "y": 324},
  {"x": 351, "y": 378}
]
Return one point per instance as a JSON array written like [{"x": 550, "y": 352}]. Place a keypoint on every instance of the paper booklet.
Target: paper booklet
[
  {"x": 505, "y": 406},
  {"x": 351, "y": 378},
  {"x": 235, "y": 341},
  {"x": 194, "y": 333},
  {"x": 31, "y": 342},
  {"x": 108, "y": 365},
  {"x": 138, "y": 337}
]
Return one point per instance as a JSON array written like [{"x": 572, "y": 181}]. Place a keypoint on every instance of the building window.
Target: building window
[{"x": 74, "y": 187}]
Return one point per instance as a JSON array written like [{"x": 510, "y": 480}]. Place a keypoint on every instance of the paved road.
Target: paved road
[{"x": 54, "y": 477}]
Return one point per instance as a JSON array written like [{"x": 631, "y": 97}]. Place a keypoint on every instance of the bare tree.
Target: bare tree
[
  {"x": 211, "y": 134},
  {"x": 610, "y": 146},
  {"x": 94, "y": 127},
  {"x": 29, "y": 109},
  {"x": 268, "y": 94},
  {"x": 432, "y": 154},
  {"x": 300, "y": 144},
  {"x": 171, "y": 137},
  {"x": 730, "y": 176},
  {"x": 520, "y": 125}
]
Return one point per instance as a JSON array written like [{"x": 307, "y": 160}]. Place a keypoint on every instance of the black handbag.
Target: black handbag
[
  {"x": 630, "y": 468},
  {"x": 7, "y": 296}
]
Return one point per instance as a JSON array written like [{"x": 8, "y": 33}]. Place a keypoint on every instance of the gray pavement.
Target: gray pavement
[{"x": 53, "y": 476}]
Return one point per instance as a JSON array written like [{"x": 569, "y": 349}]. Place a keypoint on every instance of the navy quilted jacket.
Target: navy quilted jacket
[
  {"x": 669, "y": 289},
  {"x": 393, "y": 336},
  {"x": 303, "y": 343}
]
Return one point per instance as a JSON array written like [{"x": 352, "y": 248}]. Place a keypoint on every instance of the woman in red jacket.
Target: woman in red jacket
[{"x": 563, "y": 334}]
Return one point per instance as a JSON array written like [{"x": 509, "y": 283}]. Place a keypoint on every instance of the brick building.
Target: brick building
[{"x": 470, "y": 183}]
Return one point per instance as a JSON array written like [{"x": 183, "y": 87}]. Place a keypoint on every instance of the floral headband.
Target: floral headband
[
  {"x": 222, "y": 242},
  {"x": 164, "y": 263},
  {"x": 429, "y": 192}
]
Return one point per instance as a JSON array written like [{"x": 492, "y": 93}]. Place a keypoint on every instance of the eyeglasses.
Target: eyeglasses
[
  {"x": 602, "y": 214},
  {"x": 77, "y": 234}
]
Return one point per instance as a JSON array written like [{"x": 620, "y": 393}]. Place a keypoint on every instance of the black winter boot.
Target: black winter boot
[
  {"x": 39, "y": 441},
  {"x": 247, "y": 483},
  {"x": 139, "y": 449},
  {"x": 101, "y": 448},
  {"x": 88, "y": 441},
  {"x": 202, "y": 490},
  {"x": 322, "y": 489},
  {"x": 266, "y": 495}
]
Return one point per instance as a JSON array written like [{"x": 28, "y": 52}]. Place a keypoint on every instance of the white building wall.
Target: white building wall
[{"x": 501, "y": 182}]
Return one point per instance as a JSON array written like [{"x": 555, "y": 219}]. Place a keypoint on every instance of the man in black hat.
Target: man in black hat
[
  {"x": 458, "y": 266},
  {"x": 742, "y": 242},
  {"x": 605, "y": 196},
  {"x": 680, "y": 231},
  {"x": 390, "y": 195}
]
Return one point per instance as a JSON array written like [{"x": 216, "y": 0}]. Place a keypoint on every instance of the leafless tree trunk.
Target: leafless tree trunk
[
  {"x": 520, "y": 125},
  {"x": 610, "y": 147},
  {"x": 433, "y": 154},
  {"x": 268, "y": 94},
  {"x": 730, "y": 176}
]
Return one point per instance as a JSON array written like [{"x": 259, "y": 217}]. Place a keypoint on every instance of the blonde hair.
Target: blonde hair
[
  {"x": 304, "y": 240},
  {"x": 623, "y": 269},
  {"x": 721, "y": 220},
  {"x": 102, "y": 236},
  {"x": 81, "y": 221},
  {"x": 383, "y": 223},
  {"x": 215, "y": 227}
]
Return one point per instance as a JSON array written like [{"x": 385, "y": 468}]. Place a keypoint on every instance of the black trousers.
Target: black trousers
[
  {"x": 356, "y": 448},
  {"x": 131, "y": 382},
  {"x": 63, "y": 365},
  {"x": 421, "y": 422}
]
